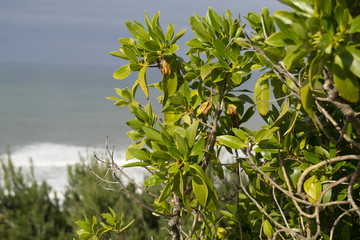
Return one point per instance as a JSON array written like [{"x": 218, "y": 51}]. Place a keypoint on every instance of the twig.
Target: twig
[
  {"x": 281, "y": 211},
  {"x": 117, "y": 168},
  {"x": 266, "y": 214},
  {"x": 350, "y": 189},
  {"x": 337, "y": 127},
  {"x": 195, "y": 222},
  {"x": 322, "y": 163},
  {"x": 337, "y": 221}
]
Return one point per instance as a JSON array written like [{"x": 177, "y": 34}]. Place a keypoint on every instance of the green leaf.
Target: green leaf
[
  {"x": 200, "y": 189},
  {"x": 153, "y": 181},
  {"x": 175, "y": 153},
  {"x": 216, "y": 21},
  {"x": 221, "y": 49},
  {"x": 153, "y": 134},
  {"x": 194, "y": 43},
  {"x": 205, "y": 70},
  {"x": 166, "y": 191},
  {"x": 279, "y": 39},
  {"x": 267, "y": 21},
  {"x": 191, "y": 133},
  {"x": 119, "y": 54},
  {"x": 327, "y": 195},
  {"x": 294, "y": 58},
  {"x": 268, "y": 229},
  {"x": 134, "y": 135},
  {"x": 199, "y": 30},
  {"x": 169, "y": 32},
  {"x": 354, "y": 25},
  {"x": 121, "y": 103},
  {"x": 231, "y": 141},
  {"x": 130, "y": 53},
  {"x": 262, "y": 94},
  {"x": 346, "y": 83},
  {"x": 170, "y": 83},
  {"x": 350, "y": 59},
  {"x": 142, "y": 81},
  {"x": 135, "y": 164},
  {"x": 124, "y": 93},
  {"x": 293, "y": 119},
  {"x": 152, "y": 45},
  {"x": 307, "y": 99},
  {"x": 316, "y": 67},
  {"x": 122, "y": 72},
  {"x": 135, "y": 124},
  {"x": 171, "y": 50},
  {"x": 313, "y": 188},
  {"x": 139, "y": 154},
  {"x": 312, "y": 157},
  {"x": 181, "y": 144},
  {"x": 198, "y": 147},
  {"x": 178, "y": 36},
  {"x": 236, "y": 77},
  {"x": 284, "y": 110}
]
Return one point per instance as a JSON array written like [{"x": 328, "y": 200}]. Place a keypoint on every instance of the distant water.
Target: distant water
[{"x": 53, "y": 113}]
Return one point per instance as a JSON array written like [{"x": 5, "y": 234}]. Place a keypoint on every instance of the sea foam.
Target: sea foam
[{"x": 50, "y": 161}]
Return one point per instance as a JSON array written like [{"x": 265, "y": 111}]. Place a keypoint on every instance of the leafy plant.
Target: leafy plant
[
  {"x": 112, "y": 224},
  {"x": 297, "y": 176}
]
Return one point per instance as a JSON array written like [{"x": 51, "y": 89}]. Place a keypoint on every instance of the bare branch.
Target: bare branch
[
  {"x": 322, "y": 163},
  {"x": 350, "y": 189}
]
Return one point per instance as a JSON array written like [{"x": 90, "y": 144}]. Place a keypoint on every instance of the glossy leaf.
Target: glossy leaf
[
  {"x": 262, "y": 94},
  {"x": 221, "y": 49},
  {"x": 279, "y": 39},
  {"x": 153, "y": 134},
  {"x": 122, "y": 72},
  {"x": 313, "y": 188},
  {"x": 355, "y": 25},
  {"x": 346, "y": 83},
  {"x": 166, "y": 191},
  {"x": 135, "y": 164},
  {"x": 231, "y": 141},
  {"x": 130, "y": 53},
  {"x": 268, "y": 229},
  {"x": 294, "y": 58},
  {"x": 191, "y": 132},
  {"x": 307, "y": 99},
  {"x": 139, "y": 153},
  {"x": 200, "y": 190},
  {"x": 142, "y": 81},
  {"x": 205, "y": 70}
]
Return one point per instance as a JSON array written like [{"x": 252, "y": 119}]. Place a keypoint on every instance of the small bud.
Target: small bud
[
  {"x": 232, "y": 111},
  {"x": 165, "y": 68}
]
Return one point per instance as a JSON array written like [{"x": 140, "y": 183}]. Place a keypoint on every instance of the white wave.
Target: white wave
[
  {"x": 51, "y": 160},
  {"x": 47, "y": 155}
]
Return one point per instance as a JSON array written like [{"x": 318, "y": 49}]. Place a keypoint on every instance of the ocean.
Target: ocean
[{"x": 54, "y": 114}]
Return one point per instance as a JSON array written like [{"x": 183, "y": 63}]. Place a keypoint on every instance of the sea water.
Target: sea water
[{"x": 54, "y": 113}]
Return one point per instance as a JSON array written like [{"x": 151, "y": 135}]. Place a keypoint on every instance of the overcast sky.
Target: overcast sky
[{"x": 85, "y": 31}]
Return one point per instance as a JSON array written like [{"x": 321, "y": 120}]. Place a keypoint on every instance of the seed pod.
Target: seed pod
[
  {"x": 165, "y": 68},
  {"x": 232, "y": 111}
]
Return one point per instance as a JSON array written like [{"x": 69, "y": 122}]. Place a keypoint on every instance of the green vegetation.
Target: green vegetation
[
  {"x": 27, "y": 211},
  {"x": 295, "y": 177}
]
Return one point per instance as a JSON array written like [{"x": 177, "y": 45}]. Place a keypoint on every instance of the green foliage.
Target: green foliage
[
  {"x": 297, "y": 176},
  {"x": 92, "y": 230},
  {"x": 27, "y": 211}
]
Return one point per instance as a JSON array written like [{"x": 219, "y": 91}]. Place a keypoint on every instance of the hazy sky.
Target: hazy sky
[{"x": 85, "y": 31}]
